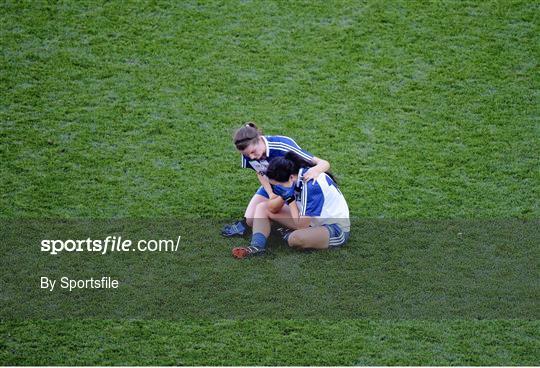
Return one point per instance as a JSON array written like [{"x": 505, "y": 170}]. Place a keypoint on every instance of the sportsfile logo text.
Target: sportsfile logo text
[{"x": 109, "y": 244}]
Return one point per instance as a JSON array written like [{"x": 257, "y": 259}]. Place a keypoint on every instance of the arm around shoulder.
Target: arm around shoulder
[
  {"x": 321, "y": 164},
  {"x": 320, "y": 167}
]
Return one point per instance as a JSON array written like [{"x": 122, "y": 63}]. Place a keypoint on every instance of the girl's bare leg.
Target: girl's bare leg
[
  {"x": 252, "y": 206},
  {"x": 310, "y": 238}
]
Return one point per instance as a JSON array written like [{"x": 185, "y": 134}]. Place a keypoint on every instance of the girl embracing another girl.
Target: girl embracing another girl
[
  {"x": 257, "y": 152},
  {"x": 313, "y": 211}
]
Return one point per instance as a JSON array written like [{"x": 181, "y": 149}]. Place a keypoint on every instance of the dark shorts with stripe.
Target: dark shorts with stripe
[{"x": 338, "y": 237}]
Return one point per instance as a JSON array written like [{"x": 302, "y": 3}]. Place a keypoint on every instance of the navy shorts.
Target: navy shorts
[
  {"x": 338, "y": 237},
  {"x": 262, "y": 191}
]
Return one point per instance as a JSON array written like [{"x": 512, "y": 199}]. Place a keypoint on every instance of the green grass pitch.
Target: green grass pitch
[{"x": 425, "y": 110}]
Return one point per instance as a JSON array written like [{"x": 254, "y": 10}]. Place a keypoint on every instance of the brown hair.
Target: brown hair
[{"x": 246, "y": 135}]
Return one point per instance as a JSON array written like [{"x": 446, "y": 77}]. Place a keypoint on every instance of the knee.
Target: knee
[
  {"x": 261, "y": 210},
  {"x": 297, "y": 240}
]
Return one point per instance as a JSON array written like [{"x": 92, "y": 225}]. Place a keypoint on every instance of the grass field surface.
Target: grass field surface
[{"x": 426, "y": 111}]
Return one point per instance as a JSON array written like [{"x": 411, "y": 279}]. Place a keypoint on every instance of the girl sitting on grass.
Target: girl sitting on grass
[
  {"x": 315, "y": 213},
  {"x": 257, "y": 152}
]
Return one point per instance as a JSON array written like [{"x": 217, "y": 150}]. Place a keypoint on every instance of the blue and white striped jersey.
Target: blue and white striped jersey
[
  {"x": 322, "y": 200},
  {"x": 276, "y": 146}
]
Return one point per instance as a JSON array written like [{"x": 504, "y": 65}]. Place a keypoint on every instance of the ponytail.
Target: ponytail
[
  {"x": 246, "y": 135},
  {"x": 298, "y": 161}
]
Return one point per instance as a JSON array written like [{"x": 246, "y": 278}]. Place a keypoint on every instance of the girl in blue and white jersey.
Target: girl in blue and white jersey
[
  {"x": 257, "y": 152},
  {"x": 315, "y": 213}
]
